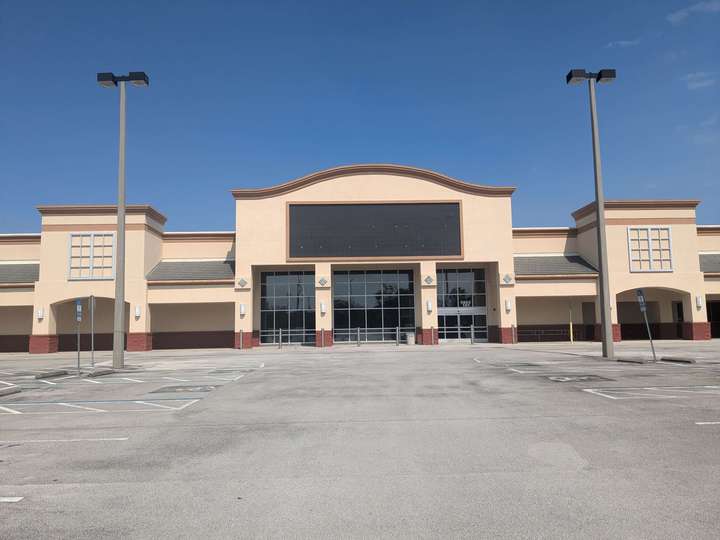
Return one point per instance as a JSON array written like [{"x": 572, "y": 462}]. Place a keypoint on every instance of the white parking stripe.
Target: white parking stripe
[
  {"x": 176, "y": 379},
  {"x": 65, "y": 377},
  {"x": 82, "y": 407},
  {"x": 11, "y": 499},
  {"x": 9, "y": 410},
  {"x": 707, "y": 423},
  {"x": 26, "y": 441},
  {"x": 133, "y": 380},
  {"x": 238, "y": 377},
  {"x": 155, "y": 404},
  {"x": 7, "y": 383},
  {"x": 90, "y": 380},
  {"x": 47, "y": 382}
]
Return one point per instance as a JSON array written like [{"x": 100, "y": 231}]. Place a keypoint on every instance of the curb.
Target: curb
[
  {"x": 678, "y": 359},
  {"x": 100, "y": 372},
  {"x": 8, "y": 390},
  {"x": 632, "y": 360},
  {"x": 48, "y": 374}
]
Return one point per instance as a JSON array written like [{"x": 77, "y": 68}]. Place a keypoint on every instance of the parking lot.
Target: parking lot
[{"x": 524, "y": 441}]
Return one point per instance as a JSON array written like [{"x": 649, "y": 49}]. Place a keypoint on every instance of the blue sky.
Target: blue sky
[{"x": 247, "y": 94}]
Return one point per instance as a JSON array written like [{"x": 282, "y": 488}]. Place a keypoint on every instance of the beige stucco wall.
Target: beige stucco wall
[
  {"x": 556, "y": 287},
  {"x": 486, "y": 229},
  {"x": 16, "y": 320},
  {"x": 198, "y": 317},
  {"x": 686, "y": 275},
  {"x": 54, "y": 287},
  {"x": 709, "y": 242},
  {"x": 13, "y": 250},
  {"x": 524, "y": 244},
  {"x": 197, "y": 249},
  {"x": 554, "y": 310}
]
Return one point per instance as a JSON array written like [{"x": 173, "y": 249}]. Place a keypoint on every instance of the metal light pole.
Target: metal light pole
[
  {"x": 109, "y": 80},
  {"x": 576, "y": 76}
]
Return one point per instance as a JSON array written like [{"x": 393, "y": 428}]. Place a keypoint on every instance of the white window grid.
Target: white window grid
[
  {"x": 91, "y": 256},
  {"x": 650, "y": 249}
]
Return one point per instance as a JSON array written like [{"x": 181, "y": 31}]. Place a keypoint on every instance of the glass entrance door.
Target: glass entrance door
[{"x": 462, "y": 304}]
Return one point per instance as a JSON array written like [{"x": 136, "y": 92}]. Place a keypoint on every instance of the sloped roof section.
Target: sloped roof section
[
  {"x": 710, "y": 262},
  {"x": 192, "y": 271},
  {"x": 19, "y": 273},
  {"x": 552, "y": 265}
]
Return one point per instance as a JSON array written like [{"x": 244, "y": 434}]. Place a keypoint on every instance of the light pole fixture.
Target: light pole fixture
[
  {"x": 110, "y": 80},
  {"x": 577, "y": 76}
]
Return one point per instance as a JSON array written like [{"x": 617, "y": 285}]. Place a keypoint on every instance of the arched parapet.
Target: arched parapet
[{"x": 372, "y": 169}]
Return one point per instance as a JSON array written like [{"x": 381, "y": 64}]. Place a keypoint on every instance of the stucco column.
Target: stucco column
[
  {"x": 613, "y": 317},
  {"x": 696, "y": 325},
  {"x": 139, "y": 333},
  {"x": 247, "y": 303},
  {"x": 323, "y": 302},
  {"x": 426, "y": 297},
  {"x": 44, "y": 337},
  {"x": 501, "y": 305}
]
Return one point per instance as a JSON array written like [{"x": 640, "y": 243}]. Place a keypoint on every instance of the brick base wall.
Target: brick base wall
[
  {"x": 426, "y": 336},
  {"x": 14, "y": 343},
  {"x": 319, "y": 338},
  {"x": 247, "y": 340},
  {"x": 40, "y": 344},
  {"x": 139, "y": 341},
  {"x": 617, "y": 334},
  {"x": 696, "y": 330},
  {"x": 501, "y": 334}
]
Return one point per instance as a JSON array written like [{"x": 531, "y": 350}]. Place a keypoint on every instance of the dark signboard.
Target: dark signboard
[{"x": 374, "y": 230}]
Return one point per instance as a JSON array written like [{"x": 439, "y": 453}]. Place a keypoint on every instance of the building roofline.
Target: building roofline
[
  {"x": 708, "y": 230},
  {"x": 19, "y": 238},
  {"x": 206, "y": 236},
  {"x": 371, "y": 168},
  {"x": 636, "y": 204},
  {"x": 99, "y": 209},
  {"x": 540, "y": 232}
]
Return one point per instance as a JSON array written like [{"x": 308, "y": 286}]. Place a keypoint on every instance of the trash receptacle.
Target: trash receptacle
[{"x": 410, "y": 338}]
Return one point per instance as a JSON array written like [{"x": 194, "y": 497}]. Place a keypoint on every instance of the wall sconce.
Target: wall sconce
[
  {"x": 323, "y": 308},
  {"x": 242, "y": 309},
  {"x": 137, "y": 312},
  {"x": 428, "y": 306},
  {"x": 698, "y": 302},
  {"x": 508, "y": 305},
  {"x": 40, "y": 314}
]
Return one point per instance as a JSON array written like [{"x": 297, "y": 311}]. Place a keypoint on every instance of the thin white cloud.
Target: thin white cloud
[
  {"x": 709, "y": 6},
  {"x": 699, "y": 79},
  {"x": 622, "y": 43},
  {"x": 710, "y": 121}
]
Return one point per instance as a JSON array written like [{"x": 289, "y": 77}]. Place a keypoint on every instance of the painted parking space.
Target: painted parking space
[
  {"x": 97, "y": 406},
  {"x": 656, "y": 392}
]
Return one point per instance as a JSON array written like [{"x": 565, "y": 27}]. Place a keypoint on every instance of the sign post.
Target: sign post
[
  {"x": 78, "y": 320},
  {"x": 643, "y": 310}
]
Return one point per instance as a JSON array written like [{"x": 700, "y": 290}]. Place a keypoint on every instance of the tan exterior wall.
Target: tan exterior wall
[
  {"x": 18, "y": 250},
  {"x": 709, "y": 242},
  {"x": 547, "y": 244},
  {"x": 489, "y": 242},
  {"x": 555, "y": 310},
  {"x": 197, "y": 249},
  {"x": 556, "y": 287},
  {"x": 486, "y": 229},
  {"x": 192, "y": 317},
  {"x": 16, "y": 320}
]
